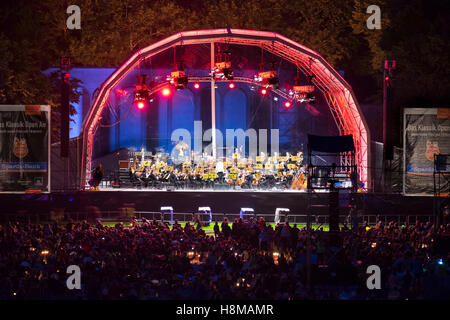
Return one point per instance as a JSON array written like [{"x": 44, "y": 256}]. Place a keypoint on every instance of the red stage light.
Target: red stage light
[
  {"x": 287, "y": 104},
  {"x": 197, "y": 85},
  {"x": 140, "y": 105},
  {"x": 263, "y": 91},
  {"x": 165, "y": 92},
  {"x": 231, "y": 85}
]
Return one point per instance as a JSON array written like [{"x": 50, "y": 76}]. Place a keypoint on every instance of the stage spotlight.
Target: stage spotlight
[
  {"x": 231, "y": 85},
  {"x": 165, "y": 92},
  {"x": 263, "y": 91},
  {"x": 141, "y": 91},
  {"x": 197, "y": 85},
  {"x": 268, "y": 79},
  {"x": 287, "y": 104},
  {"x": 140, "y": 104},
  {"x": 178, "y": 77}
]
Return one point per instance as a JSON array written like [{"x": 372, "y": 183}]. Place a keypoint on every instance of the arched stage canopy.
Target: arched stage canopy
[{"x": 337, "y": 92}]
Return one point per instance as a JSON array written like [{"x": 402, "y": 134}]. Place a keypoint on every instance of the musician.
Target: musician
[
  {"x": 133, "y": 177},
  {"x": 198, "y": 180},
  {"x": 248, "y": 181},
  {"x": 236, "y": 156},
  {"x": 192, "y": 180},
  {"x": 288, "y": 177},
  {"x": 180, "y": 151},
  {"x": 97, "y": 177},
  {"x": 171, "y": 177},
  {"x": 220, "y": 171},
  {"x": 269, "y": 181},
  {"x": 142, "y": 156},
  {"x": 147, "y": 177}
]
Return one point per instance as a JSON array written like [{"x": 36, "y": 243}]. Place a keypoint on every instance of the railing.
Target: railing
[{"x": 299, "y": 219}]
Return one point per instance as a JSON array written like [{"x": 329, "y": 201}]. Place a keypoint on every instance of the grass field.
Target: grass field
[{"x": 209, "y": 229}]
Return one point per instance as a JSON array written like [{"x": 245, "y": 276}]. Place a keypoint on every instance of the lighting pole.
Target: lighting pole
[{"x": 389, "y": 67}]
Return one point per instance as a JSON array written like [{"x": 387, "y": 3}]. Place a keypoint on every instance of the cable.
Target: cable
[{"x": 117, "y": 122}]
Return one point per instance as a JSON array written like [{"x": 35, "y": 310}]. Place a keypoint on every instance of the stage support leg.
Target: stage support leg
[
  {"x": 308, "y": 242},
  {"x": 334, "y": 210},
  {"x": 213, "y": 105}
]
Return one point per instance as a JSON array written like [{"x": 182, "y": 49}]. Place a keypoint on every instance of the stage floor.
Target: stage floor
[
  {"x": 186, "y": 200},
  {"x": 110, "y": 189}
]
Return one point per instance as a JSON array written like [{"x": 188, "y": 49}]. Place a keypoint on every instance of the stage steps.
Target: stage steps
[{"x": 124, "y": 178}]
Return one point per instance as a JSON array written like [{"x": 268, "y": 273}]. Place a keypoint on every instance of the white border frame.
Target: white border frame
[{"x": 47, "y": 109}]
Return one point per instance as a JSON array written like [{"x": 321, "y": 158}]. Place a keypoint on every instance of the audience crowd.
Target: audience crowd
[{"x": 245, "y": 259}]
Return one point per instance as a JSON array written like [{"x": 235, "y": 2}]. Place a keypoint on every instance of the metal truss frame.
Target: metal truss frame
[{"x": 338, "y": 93}]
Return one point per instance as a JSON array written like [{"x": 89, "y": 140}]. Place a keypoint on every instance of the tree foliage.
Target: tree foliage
[{"x": 34, "y": 37}]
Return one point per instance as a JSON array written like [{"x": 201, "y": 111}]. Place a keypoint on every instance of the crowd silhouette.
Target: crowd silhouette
[{"x": 243, "y": 259}]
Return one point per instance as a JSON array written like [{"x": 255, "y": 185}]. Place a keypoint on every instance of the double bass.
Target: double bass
[{"x": 299, "y": 182}]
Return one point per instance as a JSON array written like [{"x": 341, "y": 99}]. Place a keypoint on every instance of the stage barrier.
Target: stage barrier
[{"x": 58, "y": 215}]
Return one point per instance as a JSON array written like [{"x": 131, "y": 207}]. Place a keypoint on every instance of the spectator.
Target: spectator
[{"x": 150, "y": 261}]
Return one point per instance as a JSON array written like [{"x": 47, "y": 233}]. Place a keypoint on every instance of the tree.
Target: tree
[
  {"x": 418, "y": 41},
  {"x": 55, "y": 101},
  {"x": 28, "y": 46},
  {"x": 415, "y": 33}
]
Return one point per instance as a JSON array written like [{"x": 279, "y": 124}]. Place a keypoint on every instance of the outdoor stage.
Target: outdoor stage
[{"x": 126, "y": 116}]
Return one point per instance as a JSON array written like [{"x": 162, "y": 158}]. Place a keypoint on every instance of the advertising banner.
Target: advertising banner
[
  {"x": 426, "y": 132},
  {"x": 24, "y": 148}
]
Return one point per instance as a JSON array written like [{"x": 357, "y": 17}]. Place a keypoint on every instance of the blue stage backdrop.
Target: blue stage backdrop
[{"x": 151, "y": 128}]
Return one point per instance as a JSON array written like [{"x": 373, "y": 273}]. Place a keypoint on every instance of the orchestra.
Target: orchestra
[{"x": 203, "y": 172}]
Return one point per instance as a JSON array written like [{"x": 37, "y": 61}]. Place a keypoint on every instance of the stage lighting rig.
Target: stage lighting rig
[
  {"x": 141, "y": 91},
  {"x": 267, "y": 79},
  {"x": 222, "y": 69},
  {"x": 303, "y": 93},
  {"x": 178, "y": 77}
]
